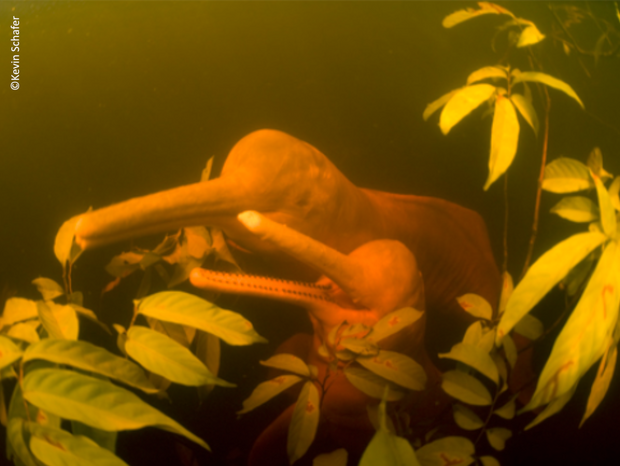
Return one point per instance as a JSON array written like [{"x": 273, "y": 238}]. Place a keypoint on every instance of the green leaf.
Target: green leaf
[
  {"x": 465, "y": 418},
  {"x": 497, "y": 437},
  {"x": 474, "y": 357},
  {"x": 267, "y": 390},
  {"x": 585, "y": 335},
  {"x": 304, "y": 422},
  {"x": 602, "y": 381},
  {"x": 15, "y": 439},
  {"x": 447, "y": 451},
  {"x": 186, "y": 309},
  {"x": 510, "y": 350},
  {"x": 565, "y": 175},
  {"x": 26, "y": 331},
  {"x": 530, "y": 327},
  {"x": 48, "y": 288},
  {"x": 9, "y": 352},
  {"x": 552, "y": 408},
  {"x": 95, "y": 402},
  {"x": 393, "y": 322},
  {"x": 462, "y": 103},
  {"x": 397, "y": 368},
  {"x": 489, "y": 461},
  {"x": 288, "y": 362},
  {"x": 476, "y": 305},
  {"x": 124, "y": 264},
  {"x": 486, "y": 73},
  {"x": 463, "y": 15},
  {"x": 437, "y": 104},
  {"x": 48, "y": 319},
  {"x": 465, "y": 388},
  {"x": 88, "y": 357},
  {"x": 103, "y": 438},
  {"x": 536, "y": 76},
  {"x": 526, "y": 110},
  {"x": 56, "y": 447},
  {"x": 507, "y": 411},
  {"x": 608, "y": 214},
  {"x": 530, "y": 36},
  {"x": 386, "y": 448},
  {"x": 595, "y": 163},
  {"x": 65, "y": 247},
  {"x": 18, "y": 310},
  {"x": 371, "y": 384},
  {"x": 335, "y": 458},
  {"x": 614, "y": 188},
  {"x": 576, "y": 209},
  {"x": 544, "y": 274},
  {"x": 164, "y": 356},
  {"x": 504, "y": 139}
]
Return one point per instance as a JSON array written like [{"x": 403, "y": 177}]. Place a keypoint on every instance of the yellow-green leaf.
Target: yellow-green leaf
[
  {"x": 65, "y": 247},
  {"x": 48, "y": 288},
  {"x": 504, "y": 139},
  {"x": 164, "y": 356},
  {"x": 447, "y": 451},
  {"x": 26, "y": 331},
  {"x": 371, "y": 384},
  {"x": 602, "y": 381},
  {"x": 530, "y": 36},
  {"x": 462, "y": 103},
  {"x": 489, "y": 461},
  {"x": 474, "y": 357},
  {"x": 89, "y": 357},
  {"x": 552, "y": 408},
  {"x": 288, "y": 362},
  {"x": 335, "y": 458},
  {"x": 463, "y": 15},
  {"x": 15, "y": 439},
  {"x": 56, "y": 447},
  {"x": 396, "y": 367},
  {"x": 537, "y": 76},
  {"x": 566, "y": 175},
  {"x": 267, "y": 390},
  {"x": 544, "y": 274},
  {"x": 437, "y": 104},
  {"x": 507, "y": 289},
  {"x": 394, "y": 322},
  {"x": 186, "y": 309},
  {"x": 530, "y": 327},
  {"x": 614, "y": 188},
  {"x": 486, "y": 73},
  {"x": 595, "y": 163},
  {"x": 608, "y": 214},
  {"x": 465, "y": 418},
  {"x": 585, "y": 336},
  {"x": 526, "y": 109},
  {"x": 304, "y": 422},
  {"x": 497, "y": 437},
  {"x": 507, "y": 411},
  {"x": 95, "y": 402},
  {"x": 9, "y": 352},
  {"x": 465, "y": 388},
  {"x": 576, "y": 209},
  {"x": 476, "y": 305},
  {"x": 18, "y": 310}
]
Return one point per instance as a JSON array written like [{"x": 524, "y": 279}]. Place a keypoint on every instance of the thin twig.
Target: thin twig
[{"x": 540, "y": 182}]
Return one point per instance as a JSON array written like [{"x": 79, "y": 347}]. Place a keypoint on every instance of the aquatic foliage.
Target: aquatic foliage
[{"x": 60, "y": 377}]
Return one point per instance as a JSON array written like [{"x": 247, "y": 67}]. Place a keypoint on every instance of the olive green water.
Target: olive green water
[{"x": 119, "y": 99}]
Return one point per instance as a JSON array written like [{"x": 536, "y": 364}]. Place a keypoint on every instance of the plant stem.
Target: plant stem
[{"x": 540, "y": 182}]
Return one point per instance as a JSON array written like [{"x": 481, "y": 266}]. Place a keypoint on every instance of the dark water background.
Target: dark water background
[{"x": 120, "y": 99}]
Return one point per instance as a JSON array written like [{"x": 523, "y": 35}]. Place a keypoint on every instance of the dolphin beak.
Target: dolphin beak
[{"x": 204, "y": 203}]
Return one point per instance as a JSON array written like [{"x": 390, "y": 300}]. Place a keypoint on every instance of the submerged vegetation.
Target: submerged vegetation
[{"x": 174, "y": 337}]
